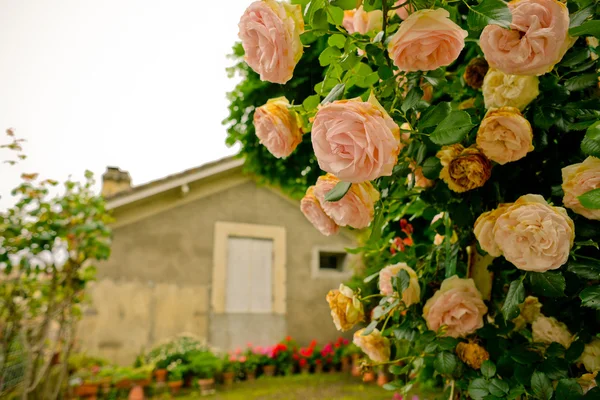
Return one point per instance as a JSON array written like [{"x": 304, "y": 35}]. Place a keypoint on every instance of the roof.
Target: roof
[{"x": 172, "y": 181}]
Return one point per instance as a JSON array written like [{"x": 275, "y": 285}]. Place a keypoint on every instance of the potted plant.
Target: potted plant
[
  {"x": 382, "y": 376},
  {"x": 175, "y": 377},
  {"x": 231, "y": 369},
  {"x": 343, "y": 351},
  {"x": 105, "y": 378},
  {"x": 205, "y": 365},
  {"x": 249, "y": 364}
]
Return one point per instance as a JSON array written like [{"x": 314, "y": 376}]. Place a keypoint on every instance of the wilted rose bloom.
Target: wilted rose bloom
[
  {"x": 484, "y": 230},
  {"x": 472, "y": 354},
  {"x": 475, "y": 72},
  {"x": 412, "y": 294},
  {"x": 374, "y": 345},
  {"x": 362, "y": 21},
  {"x": 346, "y": 308},
  {"x": 505, "y": 135},
  {"x": 355, "y": 140},
  {"x": 548, "y": 330},
  {"x": 590, "y": 358},
  {"x": 457, "y": 305},
  {"x": 536, "y": 41},
  {"x": 579, "y": 179},
  {"x": 277, "y": 127},
  {"x": 426, "y": 40},
  {"x": 534, "y": 235},
  {"x": 587, "y": 382},
  {"x": 312, "y": 210},
  {"x": 355, "y": 209},
  {"x": 464, "y": 169},
  {"x": 502, "y": 90},
  {"x": 270, "y": 33}
]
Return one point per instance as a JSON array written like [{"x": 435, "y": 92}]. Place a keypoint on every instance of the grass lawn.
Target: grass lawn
[{"x": 300, "y": 387}]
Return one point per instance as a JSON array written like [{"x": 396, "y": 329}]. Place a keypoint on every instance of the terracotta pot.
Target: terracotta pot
[
  {"x": 160, "y": 375},
  {"x": 269, "y": 370},
  {"x": 355, "y": 365},
  {"x": 319, "y": 369},
  {"x": 87, "y": 390},
  {"x": 305, "y": 369},
  {"x": 175, "y": 386},
  {"x": 369, "y": 377},
  {"x": 228, "y": 378},
  {"x": 382, "y": 378},
  {"x": 333, "y": 369},
  {"x": 207, "y": 386},
  {"x": 346, "y": 364},
  {"x": 251, "y": 376},
  {"x": 105, "y": 384},
  {"x": 136, "y": 393},
  {"x": 123, "y": 384}
]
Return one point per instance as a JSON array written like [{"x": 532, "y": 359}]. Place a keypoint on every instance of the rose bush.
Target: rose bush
[{"x": 462, "y": 139}]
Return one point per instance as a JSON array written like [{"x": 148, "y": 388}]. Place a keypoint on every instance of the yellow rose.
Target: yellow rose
[
  {"x": 549, "y": 330},
  {"x": 374, "y": 345},
  {"x": 579, "y": 179},
  {"x": 587, "y": 382},
  {"x": 464, "y": 169},
  {"x": 505, "y": 135},
  {"x": 530, "y": 311},
  {"x": 502, "y": 90},
  {"x": 346, "y": 308},
  {"x": 484, "y": 230},
  {"x": 590, "y": 358},
  {"x": 412, "y": 294}
]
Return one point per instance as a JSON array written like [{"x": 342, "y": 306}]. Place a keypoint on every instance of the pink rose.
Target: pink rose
[
  {"x": 484, "y": 230},
  {"x": 270, "y": 33},
  {"x": 362, "y": 21},
  {"x": 355, "y": 209},
  {"x": 356, "y": 141},
  {"x": 426, "y": 40},
  {"x": 579, "y": 179},
  {"x": 277, "y": 127},
  {"x": 458, "y": 306},
  {"x": 534, "y": 235},
  {"x": 505, "y": 135},
  {"x": 403, "y": 11},
  {"x": 536, "y": 41},
  {"x": 549, "y": 330},
  {"x": 412, "y": 294},
  {"x": 312, "y": 210}
]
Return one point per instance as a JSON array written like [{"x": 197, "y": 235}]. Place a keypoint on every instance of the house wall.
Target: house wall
[{"x": 158, "y": 280}]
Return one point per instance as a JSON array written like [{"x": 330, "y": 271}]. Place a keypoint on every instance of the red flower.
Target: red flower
[
  {"x": 397, "y": 245},
  {"x": 288, "y": 338},
  {"x": 295, "y": 356},
  {"x": 318, "y": 362},
  {"x": 406, "y": 227},
  {"x": 313, "y": 343},
  {"x": 302, "y": 362}
]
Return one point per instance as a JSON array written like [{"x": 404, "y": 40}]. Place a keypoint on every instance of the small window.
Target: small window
[{"x": 331, "y": 261}]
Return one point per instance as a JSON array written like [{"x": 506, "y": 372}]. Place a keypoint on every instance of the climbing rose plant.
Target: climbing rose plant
[{"x": 463, "y": 137}]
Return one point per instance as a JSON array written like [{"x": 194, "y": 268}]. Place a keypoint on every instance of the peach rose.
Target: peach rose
[
  {"x": 548, "y": 330},
  {"x": 374, "y": 345},
  {"x": 464, "y": 169},
  {"x": 419, "y": 179},
  {"x": 590, "y": 358},
  {"x": 579, "y": 179},
  {"x": 534, "y": 235},
  {"x": 277, "y": 127},
  {"x": 426, "y": 40},
  {"x": 346, "y": 308},
  {"x": 355, "y": 209},
  {"x": 270, "y": 33},
  {"x": 484, "y": 230},
  {"x": 362, "y": 21},
  {"x": 458, "y": 306},
  {"x": 404, "y": 11},
  {"x": 356, "y": 141},
  {"x": 312, "y": 210},
  {"x": 412, "y": 294},
  {"x": 502, "y": 90},
  {"x": 536, "y": 41},
  {"x": 505, "y": 135}
]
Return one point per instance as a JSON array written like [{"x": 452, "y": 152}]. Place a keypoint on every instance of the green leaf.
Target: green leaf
[
  {"x": 338, "y": 191},
  {"x": 312, "y": 8},
  {"x": 541, "y": 386},
  {"x": 515, "y": 393},
  {"x": 338, "y": 40},
  {"x": 549, "y": 284},
  {"x": 591, "y": 28},
  {"x": 478, "y": 388},
  {"x": 593, "y": 394},
  {"x": 590, "y": 199},
  {"x": 580, "y": 82},
  {"x": 568, "y": 389},
  {"x": 434, "y": 115},
  {"x": 587, "y": 269},
  {"x": 452, "y": 129},
  {"x": 488, "y": 369},
  {"x": 412, "y": 98},
  {"x": 385, "y": 72},
  {"x": 499, "y": 387},
  {"x": 345, "y": 4},
  {"x": 335, "y": 15},
  {"x": 574, "y": 58},
  {"x": 329, "y": 55},
  {"x": 593, "y": 131},
  {"x": 445, "y": 362},
  {"x": 574, "y": 351},
  {"x": 336, "y": 93},
  {"x": 515, "y": 296},
  {"x": 431, "y": 168},
  {"x": 590, "y": 147},
  {"x": 577, "y": 18},
  {"x": 319, "y": 20},
  {"x": 555, "y": 368},
  {"x": 370, "y": 328},
  {"x": 590, "y": 297},
  {"x": 489, "y": 12},
  {"x": 403, "y": 280},
  {"x": 311, "y": 102}
]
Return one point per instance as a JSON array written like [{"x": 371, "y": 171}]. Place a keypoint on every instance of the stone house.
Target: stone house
[{"x": 209, "y": 252}]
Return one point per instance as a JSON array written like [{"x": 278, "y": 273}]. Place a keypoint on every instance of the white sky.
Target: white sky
[{"x": 138, "y": 84}]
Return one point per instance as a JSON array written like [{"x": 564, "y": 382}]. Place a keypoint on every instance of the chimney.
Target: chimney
[{"x": 115, "y": 181}]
